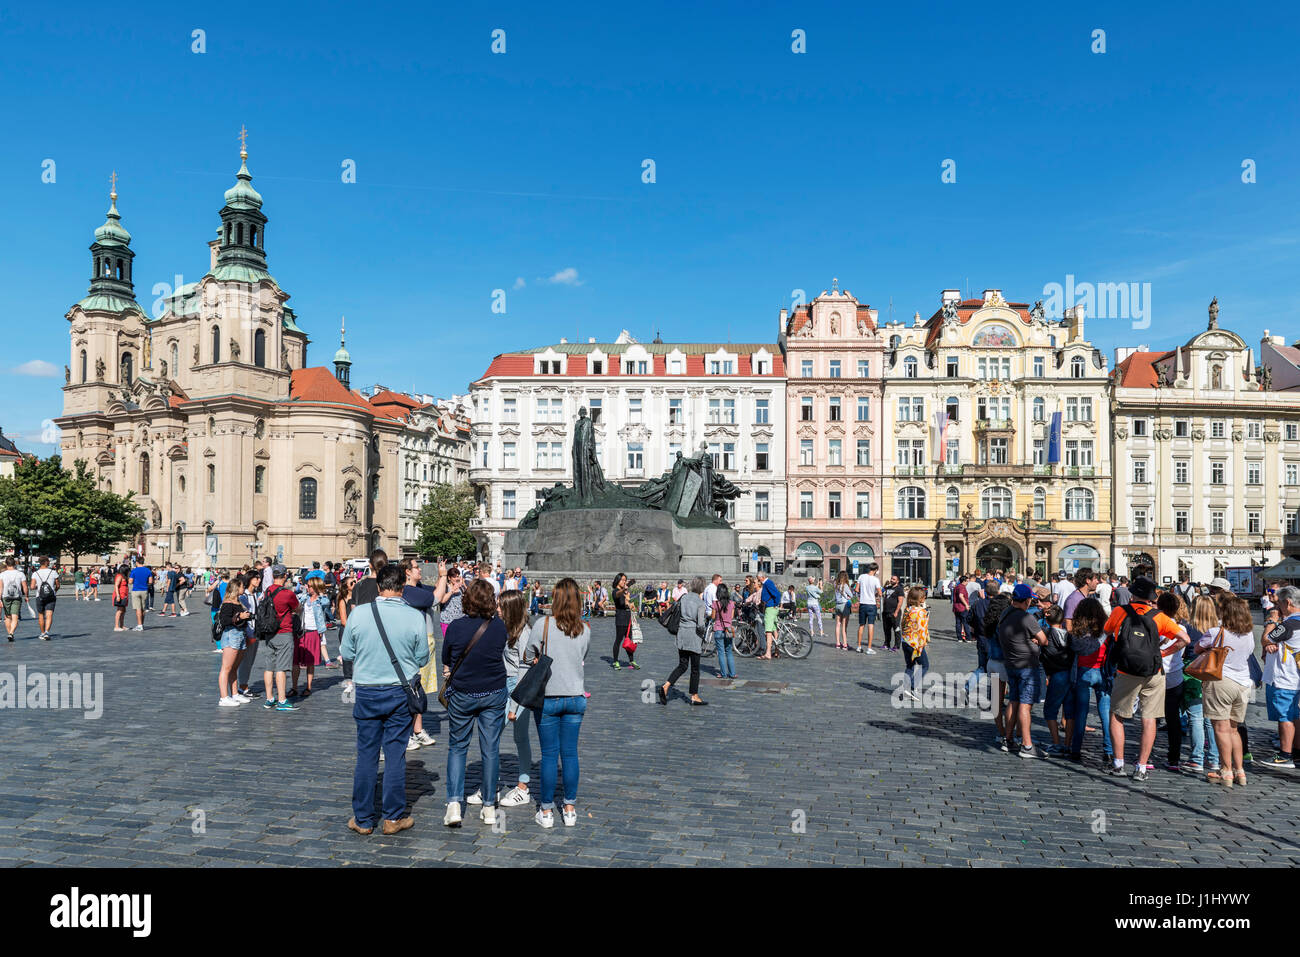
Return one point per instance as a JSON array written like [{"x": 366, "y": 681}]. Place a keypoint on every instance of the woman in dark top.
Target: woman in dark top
[
  {"x": 231, "y": 617},
  {"x": 476, "y": 694},
  {"x": 622, "y": 619}
]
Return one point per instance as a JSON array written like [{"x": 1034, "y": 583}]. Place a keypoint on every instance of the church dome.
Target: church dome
[
  {"x": 113, "y": 233},
  {"x": 242, "y": 195}
]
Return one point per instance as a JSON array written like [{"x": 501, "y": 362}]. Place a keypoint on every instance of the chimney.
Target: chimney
[
  {"x": 563, "y": 341},
  {"x": 950, "y": 295},
  {"x": 1074, "y": 318},
  {"x": 591, "y": 340}
]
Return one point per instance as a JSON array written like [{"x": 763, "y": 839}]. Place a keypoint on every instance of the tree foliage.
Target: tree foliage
[
  {"x": 66, "y": 504},
  {"x": 443, "y": 522}
]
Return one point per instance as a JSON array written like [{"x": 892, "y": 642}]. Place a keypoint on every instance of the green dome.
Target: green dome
[
  {"x": 242, "y": 195},
  {"x": 113, "y": 233},
  {"x": 343, "y": 356}
]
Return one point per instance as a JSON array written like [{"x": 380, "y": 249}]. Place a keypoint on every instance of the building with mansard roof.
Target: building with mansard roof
[{"x": 233, "y": 445}]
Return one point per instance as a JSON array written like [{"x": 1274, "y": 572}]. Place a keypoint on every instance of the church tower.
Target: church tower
[
  {"x": 111, "y": 257},
  {"x": 343, "y": 359},
  {"x": 241, "y": 250}
]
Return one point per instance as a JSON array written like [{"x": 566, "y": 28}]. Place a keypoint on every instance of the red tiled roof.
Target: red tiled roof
[
  {"x": 1138, "y": 371},
  {"x": 318, "y": 384},
  {"x": 508, "y": 365},
  {"x": 967, "y": 308}
]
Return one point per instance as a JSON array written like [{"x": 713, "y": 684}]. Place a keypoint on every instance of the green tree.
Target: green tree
[
  {"x": 443, "y": 523},
  {"x": 66, "y": 505}
]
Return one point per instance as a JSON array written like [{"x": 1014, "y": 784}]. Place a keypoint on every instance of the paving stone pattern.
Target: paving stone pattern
[{"x": 799, "y": 763}]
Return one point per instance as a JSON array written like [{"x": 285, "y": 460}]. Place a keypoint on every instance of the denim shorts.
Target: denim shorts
[
  {"x": 866, "y": 614},
  {"x": 1022, "y": 685},
  {"x": 232, "y": 639},
  {"x": 1283, "y": 703},
  {"x": 1059, "y": 690}
]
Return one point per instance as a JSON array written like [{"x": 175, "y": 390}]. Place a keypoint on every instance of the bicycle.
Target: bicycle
[{"x": 792, "y": 638}]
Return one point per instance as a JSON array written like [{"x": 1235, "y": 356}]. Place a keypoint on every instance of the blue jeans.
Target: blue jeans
[
  {"x": 964, "y": 629},
  {"x": 726, "y": 659},
  {"x": 557, "y": 729},
  {"x": 382, "y": 719},
  {"x": 1202, "y": 732},
  {"x": 1091, "y": 682},
  {"x": 463, "y": 713},
  {"x": 523, "y": 746}
]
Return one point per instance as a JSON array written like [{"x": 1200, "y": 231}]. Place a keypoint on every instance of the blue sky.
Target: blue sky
[{"x": 774, "y": 170}]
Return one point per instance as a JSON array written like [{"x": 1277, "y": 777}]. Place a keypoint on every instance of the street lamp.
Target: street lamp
[
  {"x": 164, "y": 546},
  {"x": 28, "y": 534},
  {"x": 253, "y": 549}
]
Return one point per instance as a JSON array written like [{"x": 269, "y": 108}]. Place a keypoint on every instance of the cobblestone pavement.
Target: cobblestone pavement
[{"x": 800, "y": 762}]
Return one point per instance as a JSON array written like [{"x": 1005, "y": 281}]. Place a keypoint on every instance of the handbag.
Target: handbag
[
  {"x": 446, "y": 685},
  {"x": 1208, "y": 665},
  {"x": 636, "y": 635},
  {"x": 417, "y": 702},
  {"x": 530, "y": 690}
]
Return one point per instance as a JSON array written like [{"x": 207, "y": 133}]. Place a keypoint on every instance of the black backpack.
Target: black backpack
[
  {"x": 1136, "y": 649},
  {"x": 266, "y": 623},
  {"x": 671, "y": 618}
]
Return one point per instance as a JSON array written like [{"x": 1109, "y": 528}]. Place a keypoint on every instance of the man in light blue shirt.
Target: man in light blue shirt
[{"x": 381, "y": 711}]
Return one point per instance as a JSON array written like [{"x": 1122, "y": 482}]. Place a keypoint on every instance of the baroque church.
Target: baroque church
[{"x": 234, "y": 447}]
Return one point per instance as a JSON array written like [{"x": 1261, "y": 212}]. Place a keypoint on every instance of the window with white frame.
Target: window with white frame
[
  {"x": 1292, "y": 474},
  {"x": 1254, "y": 473},
  {"x": 1040, "y": 410},
  {"x": 911, "y": 452},
  {"x": 1141, "y": 428},
  {"x": 635, "y": 458},
  {"x": 1039, "y": 367},
  {"x": 728, "y": 456},
  {"x": 1254, "y": 522},
  {"x": 1217, "y": 473},
  {"x": 676, "y": 365},
  {"x": 634, "y": 411},
  {"x": 833, "y": 409},
  {"x": 1254, "y": 429},
  {"x": 806, "y": 369},
  {"x": 835, "y": 368},
  {"x": 550, "y": 455},
  {"x": 1182, "y": 469},
  {"x": 1076, "y": 368},
  {"x": 762, "y": 458},
  {"x": 508, "y": 458},
  {"x": 911, "y": 408},
  {"x": 722, "y": 367},
  {"x": 952, "y": 503},
  {"x": 864, "y": 368},
  {"x": 864, "y": 452},
  {"x": 1182, "y": 428},
  {"x": 1181, "y": 522},
  {"x": 805, "y": 505},
  {"x": 675, "y": 411},
  {"x": 1079, "y": 505},
  {"x": 508, "y": 503},
  {"x": 805, "y": 452},
  {"x": 761, "y": 412},
  {"x": 1218, "y": 429},
  {"x": 1139, "y": 471},
  {"x": 835, "y": 452},
  {"x": 833, "y": 504},
  {"x": 910, "y": 367},
  {"x": 1216, "y": 521},
  {"x": 1040, "y": 504},
  {"x": 911, "y": 502},
  {"x": 805, "y": 408},
  {"x": 1292, "y": 431},
  {"x": 862, "y": 505},
  {"x": 995, "y": 503},
  {"x": 594, "y": 408},
  {"x": 1040, "y": 452},
  {"x": 1293, "y": 521},
  {"x": 762, "y": 511},
  {"x": 951, "y": 366},
  {"x": 509, "y": 410},
  {"x": 864, "y": 408},
  {"x": 1140, "y": 521}
]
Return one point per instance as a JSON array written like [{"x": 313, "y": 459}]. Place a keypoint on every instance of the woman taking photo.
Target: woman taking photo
[
  {"x": 232, "y": 617},
  {"x": 1225, "y": 699},
  {"x": 690, "y": 642},
  {"x": 473, "y": 667},
  {"x": 622, "y": 620},
  {"x": 563, "y": 638},
  {"x": 843, "y": 608}
]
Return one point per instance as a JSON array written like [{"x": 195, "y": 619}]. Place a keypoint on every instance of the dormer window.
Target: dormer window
[
  {"x": 635, "y": 367},
  {"x": 597, "y": 367},
  {"x": 760, "y": 367},
  {"x": 676, "y": 365},
  {"x": 722, "y": 367}
]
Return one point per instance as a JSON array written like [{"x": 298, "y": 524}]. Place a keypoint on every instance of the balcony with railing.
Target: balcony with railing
[
  {"x": 994, "y": 425},
  {"x": 910, "y": 470},
  {"x": 1080, "y": 471}
]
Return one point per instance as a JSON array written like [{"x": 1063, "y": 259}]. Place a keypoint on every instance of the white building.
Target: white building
[
  {"x": 434, "y": 451},
  {"x": 1207, "y": 459},
  {"x": 649, "y": 402}
]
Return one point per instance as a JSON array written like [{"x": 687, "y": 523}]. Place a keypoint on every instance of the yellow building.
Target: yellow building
[{"x": 969, "y": 482}]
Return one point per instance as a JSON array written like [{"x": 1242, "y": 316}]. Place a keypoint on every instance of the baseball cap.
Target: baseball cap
[
  {"x": 278, "y": 571},
  {"x": 1144, "y": 589},
  {"x": 1220, "y": 583},
  {"x": 1022, "y": 592}
]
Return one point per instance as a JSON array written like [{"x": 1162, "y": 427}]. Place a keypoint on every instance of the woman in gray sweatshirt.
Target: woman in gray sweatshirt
[
  {"x": 690, "y": 642},
  {"x": 564, "y": 638}
]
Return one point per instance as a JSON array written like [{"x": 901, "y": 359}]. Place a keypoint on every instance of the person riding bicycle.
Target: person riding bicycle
[{"x": 770, "y": 598}]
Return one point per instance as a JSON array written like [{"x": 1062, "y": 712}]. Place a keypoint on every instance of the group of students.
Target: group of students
[
  {"x": 18, "y": 590},
  {"x": 1144, "y": 653}
]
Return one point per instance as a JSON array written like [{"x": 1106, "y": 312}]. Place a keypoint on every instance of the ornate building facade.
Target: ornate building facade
[
  {"x": 233, "y": 446},
  {"x": 1207, "y": 458},
  {"x": 834, "y": 356},
  {"x": 969, "y": 399},
  {"x": 648, "y": 402}
]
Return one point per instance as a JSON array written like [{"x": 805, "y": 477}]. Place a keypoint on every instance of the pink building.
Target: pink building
[{"x": 834, "y": 360}]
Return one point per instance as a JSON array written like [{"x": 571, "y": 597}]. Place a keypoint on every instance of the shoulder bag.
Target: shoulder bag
[
  {"x": 417, "y": 702},
  {"x": 1208, "y": 665},
  {"x": 530, "y": 691},
  {"x": 446, "y": 685}
]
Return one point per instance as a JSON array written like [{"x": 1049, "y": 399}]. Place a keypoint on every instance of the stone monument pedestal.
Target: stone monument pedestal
[{"x": 601, "y": 542}]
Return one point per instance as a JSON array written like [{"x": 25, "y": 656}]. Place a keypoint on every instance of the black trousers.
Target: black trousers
[
  {"x": 1173, "y": 725},
  {"x": 685, "y": 659},
  {"x": 892, "y": 634},
  {"x": 622, "y": 628}
]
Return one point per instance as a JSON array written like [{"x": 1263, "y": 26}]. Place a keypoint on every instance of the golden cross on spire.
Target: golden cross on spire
[
  {"x": 243, "y": 140},
  {"x": 112, "y": 190}
]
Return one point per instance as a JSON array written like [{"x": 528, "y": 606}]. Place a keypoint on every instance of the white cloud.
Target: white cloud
[
  {"x": 519, "y": 283},
  {"x": 565, "y": 277},
  {"x": 37, "y": 367}
]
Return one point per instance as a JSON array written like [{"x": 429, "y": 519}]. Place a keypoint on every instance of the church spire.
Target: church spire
[
  {"x": 111, "y": 256},
  {"x": 241, "y": 253},
  {"x": 342, "y": 358}
]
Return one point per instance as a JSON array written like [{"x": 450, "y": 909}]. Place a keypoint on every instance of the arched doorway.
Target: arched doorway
[
  {"x": 859, "y": 556},
  {"x": 997, "y": 557},
  {"x": 911, "y": 562},
  {"x": 1140, "y": 563},
  {"x": 808, "y": 558}
]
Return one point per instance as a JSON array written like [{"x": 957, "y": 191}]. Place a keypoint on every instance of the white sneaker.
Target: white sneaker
[
  {"x": 545, "y": 818},
  {"x": 488, "y": 814},
  {"x": 425, "y": 738},
  {"x": 228, "y": 703},
  {"x": 871, "y": 651},
  {"x": 475, "y": 798},
  {"x": 452, "y": 817},
  {"x": 570, "y": 817},
  {"x": 412, "y": 743},
  {"x": 138, "y": 628},
  {"x": 515, "y": 797},
  {"x": 185, "y": 614},
  {"x": 912, "y": 694}
]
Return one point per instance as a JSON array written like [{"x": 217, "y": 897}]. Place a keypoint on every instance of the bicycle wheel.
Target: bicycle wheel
[
  {"x": 707, "y": 648},
  {"x": 745, "y": 641},
  {"x": 796, "y": 641}
]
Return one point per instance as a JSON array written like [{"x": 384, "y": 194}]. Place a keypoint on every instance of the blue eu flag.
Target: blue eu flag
[{"x": 1054, "y": 440}]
